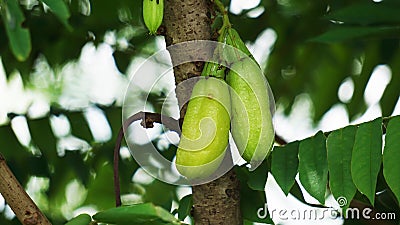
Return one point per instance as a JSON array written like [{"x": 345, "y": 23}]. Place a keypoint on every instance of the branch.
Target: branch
[
  {"x": 22, "y": 205},
  {"x": 148, "y": 119}
]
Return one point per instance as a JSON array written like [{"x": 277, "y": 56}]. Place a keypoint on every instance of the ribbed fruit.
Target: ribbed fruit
[
  {"x": 205, "y": 129},
  {"x": 153, "y": 11},
  {"x": 251, "y": 122}
]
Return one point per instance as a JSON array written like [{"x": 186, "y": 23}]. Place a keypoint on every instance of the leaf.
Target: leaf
[
  {"x": 60, "y": 9},
  {"x": 313, "y": 166},
  {"x": 284, "y": 165},
  {"x": 17, "y": 156},
  {"x": 254, "y": 208},
  {"x": 122, "y": 60},
  {"x": 254, "y": 205},
  {"x": 138, "y": 213},
  {"x": 391, "y": 94},
  {"x": 79, "y": 126},
  {"x": 296, "y": 192},
  {"x": 371, "y": 60},
  {"x": 339, "y": 146},
  {"x": 43, "y": 137},
  {"x": 366, "y": 13},
  {"x": 80, "y": 219},
  {"x": 11, "y": 149},
  {"x": 19, "y": 37},
  {"x": 366, "y": 158},
  {"x": 391, "y": 156},
  {"x": 101, "y": 183},
  {"x": 162, "y": 198},
  {"x": 114, "y": 117},
  {"x": 185, "y": 206},
  {"x": 258, "y": 177},
  {"x": 345, "y": 33}
]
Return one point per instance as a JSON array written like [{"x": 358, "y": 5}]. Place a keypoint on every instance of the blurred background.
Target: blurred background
[{"x": 65, "y": 71}]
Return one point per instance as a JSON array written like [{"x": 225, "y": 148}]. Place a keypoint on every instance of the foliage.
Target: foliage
[{"x": 318, "y": 46}]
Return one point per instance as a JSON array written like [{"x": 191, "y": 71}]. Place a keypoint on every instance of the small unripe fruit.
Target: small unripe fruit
[
  {"x": 205, "y": 129},
  {"x": 153, "y": 11}
]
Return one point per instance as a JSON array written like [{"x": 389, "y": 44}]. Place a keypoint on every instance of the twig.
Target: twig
[
  {"x": 148, "y": 120},
  {"x": 19, "y": 201},
  {"x": 279, "y": 140}
]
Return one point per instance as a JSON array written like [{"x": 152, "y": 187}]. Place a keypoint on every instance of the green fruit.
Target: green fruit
[
  {"x": 205, "y": 129},
  {"x": 251, "y": 124},
  {"x": 153, "y": 11},
  {"x": 82, "y": 219},
  {"x": 238, "y": 51}
]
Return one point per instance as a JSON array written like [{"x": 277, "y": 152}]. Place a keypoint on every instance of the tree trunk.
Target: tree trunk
[{"x": 217, "y": 202}]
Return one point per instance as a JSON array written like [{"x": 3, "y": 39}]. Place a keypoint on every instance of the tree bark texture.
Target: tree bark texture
[
  {"x": 19, "y": 201},
  {"x": 186, "y": 21},
  {"x": 217, "y": 202}
]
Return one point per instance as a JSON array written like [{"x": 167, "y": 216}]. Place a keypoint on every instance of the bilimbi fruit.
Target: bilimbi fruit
[
  {"x": 251, "y": 122},
  {"x": 205, "y": 129},
  {"x": 153, "y": 11}
]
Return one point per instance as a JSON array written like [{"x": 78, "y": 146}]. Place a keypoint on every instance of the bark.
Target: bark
[
  {"x": 19, "y": 201},
  {"x": 186, "y": 21},
  {"x": 217, "y": 202}
]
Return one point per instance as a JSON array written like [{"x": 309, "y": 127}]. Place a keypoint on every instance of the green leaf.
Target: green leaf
[
  {"x": 185, "y": 206},
  {"x": 161, "y": 198},
  {"x": 60, "y": 9},
  {"x": 19, "y": 37},
  {"x": 366, "y": 13},
  {"x": 101, "y": 183},
  {"x": 339, "y": 146},
  {"x": 254, "y": 208},
  {"x": 370, "y": 60},
  {"x": 79, "y": 126},
  {"x": 11, "y": 149},
  {"x": 82, "y": 219},
  {"x": 345, "y": 33},
  {"x": 366, "y": 158},
  {"x": 114, "y": 117},
  {"x": 296, "y": 192},
  {"x": 17, "y": 156},
  {"x": 391, "y": 156},
  {"x": 284, "y": 165},
  {"x": 258, "y": 177},
  {"x": 313, "y": 166},
  {"x": 391, "y": 94},
  {"x": 135, "y": 214},
  {"x": 43, "y": 137},
  {"x": 254, "y": 205}
]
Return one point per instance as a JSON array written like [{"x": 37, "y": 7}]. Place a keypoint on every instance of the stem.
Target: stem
[{"x": 225, "y": 18}]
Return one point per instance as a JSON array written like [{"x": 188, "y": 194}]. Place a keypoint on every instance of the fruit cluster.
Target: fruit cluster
[{"x": 233, "y": 96}]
